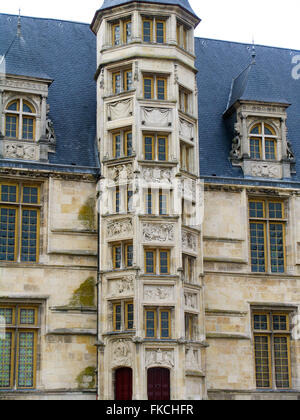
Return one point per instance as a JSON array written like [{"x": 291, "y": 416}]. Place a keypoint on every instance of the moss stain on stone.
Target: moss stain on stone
[
  {"x": 87, "y": 214},
  {"x": 87, "y": 378},
  {"x": 85, "y": 294}
]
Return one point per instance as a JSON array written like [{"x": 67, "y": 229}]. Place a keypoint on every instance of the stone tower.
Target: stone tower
[{"x": 151, "y": 333}]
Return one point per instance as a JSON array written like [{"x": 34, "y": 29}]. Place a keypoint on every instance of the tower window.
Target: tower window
[
  {"x": 122, "y": 81},
  {"x": 156, "y": 147},
  {"x": 154, "y": 30},
  {"x": 155, "y": 87},
  {"x": 121, "y": 32}
]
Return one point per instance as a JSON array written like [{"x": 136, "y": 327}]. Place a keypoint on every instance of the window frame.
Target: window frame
[
  {"x": 155, "y": 137},
  {"x": 267, "y": 222},
  {"x": 155, "y": 78},
  {"x": 263, "y": 137},
  {"x": 19, "y": 206},
  {"x": 157, "y": 321},
  {"x": 20, "y": 116},
  {"x": 16, "y": 329},
  {"x": 271, "y": 334},
  {"x": 157, "y": 267}
]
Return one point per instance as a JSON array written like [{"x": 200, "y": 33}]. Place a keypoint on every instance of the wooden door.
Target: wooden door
[
  {"x": 123, "y": 384},
  {"x": 159, "y": 384}
]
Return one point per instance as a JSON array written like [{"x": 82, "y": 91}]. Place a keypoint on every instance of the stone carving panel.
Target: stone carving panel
[
  {"x": 117, "y": 228},
  {"x": 192, "y": 359},
  {"x": 19, "y": 150},
  {"x": 186, "y": 130},
  {"x": 158, "y": 117},
  {"x": 189, "y": 241},
  {"x": 158, "y": 232},
  {"x": 121, "y": 353},
  {"x": 121, "y": 173},
  {"x": 158, "y": 293},
  {"x": 191, "y": 300},
  {"x": 121, "y": 287},
  {"x": 266, "y": 170},
  {"x": 119, "y": 110},
  {"x": 157, "y": 176},
  {"x": 160, "y": 357}
]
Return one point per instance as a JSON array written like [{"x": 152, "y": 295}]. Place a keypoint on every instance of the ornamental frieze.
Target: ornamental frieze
[
  {"x": 17, "y": 150},
  {"x": 119, "y": 228},
  {"x": 159, "y": 357},
  {"x": 158, "y": 232}
]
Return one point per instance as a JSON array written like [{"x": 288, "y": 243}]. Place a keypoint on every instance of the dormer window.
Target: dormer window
[
  {"x": 20, "y": 120},
  {"x": 263, "y": 142}
]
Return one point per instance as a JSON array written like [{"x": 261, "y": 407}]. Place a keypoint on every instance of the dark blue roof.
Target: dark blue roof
[
  {"x": 65, "y": 52},
  {"x": 219, "y": 62},
  {"x": 182, "y": 3},
  {"x": 255, "y": 84}
]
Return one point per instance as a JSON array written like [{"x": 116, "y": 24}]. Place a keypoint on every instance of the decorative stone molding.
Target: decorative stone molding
[
  {"x": 192, "y": 359},
  {"x": 123, "y": 286},
  {"x": 20, "y": 150},
  {"x": 158, "y": 293},
  {"x": 191, "y": 300},
  {"x": 157, "y": 176},
  {"x": 158, "y": 232},
  {"x": 236, "y": 149},
  {"x": 189, "y": 241},
  {"x": 186, "y": 130},
  {"x": 119, "y": 110},
  {"x": 22, "y": 85},
  {"x": 266, "y": 170},
  {"x": 156, "y": 117},
  {"x": 121, "y": 353},
  {"x": 159, "y": 357},
  {"x": 121, "y": 173},
  {"x": 119, "y": 228}
]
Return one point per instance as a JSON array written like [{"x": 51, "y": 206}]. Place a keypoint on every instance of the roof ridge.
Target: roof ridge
[
  {"x": 44, "y": 18},
  {"x": 246, "y": 44}
]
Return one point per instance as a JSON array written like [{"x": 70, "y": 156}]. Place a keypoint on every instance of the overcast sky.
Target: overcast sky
[{"x": 269, "y": 22}]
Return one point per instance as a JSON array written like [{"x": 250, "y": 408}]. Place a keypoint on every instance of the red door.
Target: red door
[
  {"x": 123, "y": 387},
  {"x": 159, "y": 384}
]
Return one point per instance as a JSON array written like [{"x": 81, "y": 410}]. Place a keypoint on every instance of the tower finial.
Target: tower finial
[
  {"x": 19, "y": 25},
  {"x": 253, "y": 54}
]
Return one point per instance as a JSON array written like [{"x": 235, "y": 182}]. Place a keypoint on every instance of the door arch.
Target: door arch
[
  {"x": 123, "y": 384},
  {"x": 159, "y": 384}
]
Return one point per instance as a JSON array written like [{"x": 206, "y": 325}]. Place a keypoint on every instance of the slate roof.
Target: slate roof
[
  {"x": 219, "y": 62},
  {"x": 65, "y": 52},
  {"x": 182, "y": 3}
]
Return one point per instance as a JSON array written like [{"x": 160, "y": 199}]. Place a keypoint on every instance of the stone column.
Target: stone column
[
  {"x": 1, "y": 112},
  {"x": 245, "y": 142},
  {"x": 283, "y": 139},
  {"x": 173, "y": 30},
  {"x": 136, "y": 36},
  {"x": 43, "y": 116}
]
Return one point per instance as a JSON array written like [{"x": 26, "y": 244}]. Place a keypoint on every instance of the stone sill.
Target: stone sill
[
  {"x": 228, "y": 336},
  {"x": 82, "y": 309},
  {"x": 73, "y": 331}
]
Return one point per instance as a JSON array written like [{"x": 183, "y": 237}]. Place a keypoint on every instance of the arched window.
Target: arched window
[
  {"x": 263, "y": 142},
  {"x": 20, "y": 120}
]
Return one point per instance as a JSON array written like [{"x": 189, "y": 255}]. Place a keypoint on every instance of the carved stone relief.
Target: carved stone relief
[
  {"x": 159, "y": 232},
  {"x": 186, "y": 130},
  {"x": 123, "y": 286},
  {"x": 192, "y": 359},
  {"x": 121, "y": 353},
  {"x": 121, "y": 173},
  {"x": 266, "y": 170},
  {"x": 236, "y": 150},
  {"x": 120, "y": 109},
  {"x": 155, "y": 175},
  {"x": 189, "y": 241},
  {"x": 159, "y": 357},
  {"x": 160, "y": 117},
  {"x": 190, "y": 300},
  {"x": 18, "y": 150},
  {"x": 158, "y": 293},
  {"x": 119, "y": 227}
]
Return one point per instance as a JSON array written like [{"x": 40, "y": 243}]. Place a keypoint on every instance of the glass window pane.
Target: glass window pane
[
  {"x": 26, "y": 108},
  {"x": 150, "y": 324},
  {"x": 262, "y": 361},
  {"x": 27, "y": 316},
  {"x": 150, "y": 262},
  {"x": 147, "y": 31},
  {"x": 28, "y": 127},
  {"x": 26, "y": 360},
  {"x": 30, "y": 195},
  {"x": 277, "y": 248},
  {"x": 11, "y": 126},
  {"x": 8, "y": 222},
  {"x": 29, "y": 236},
  {"x": 6, "y": 360},
  {"x": 161, "y": 89},
  {"x": 280, "y": 323},
  {"x": 261, "y": 322},
  {"x": 162, "y": 148},
  {"x": 255, "y": 148},
  {"x": 258, "y": 257},
  {"x": 270, "y": 147},
  {"x": 160, "y": 32},
  {"x": 281, "y": 352},
  {"x": 148, "y": 88},
  {"x": 9, "y": 193},
  {"x": 164, "y": 262},
  {"x": 148, "y": 148},
  {"x": 13, "y": 106}
]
